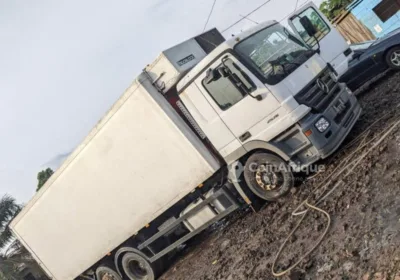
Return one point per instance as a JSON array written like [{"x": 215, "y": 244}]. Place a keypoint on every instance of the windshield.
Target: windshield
[
  {"x": 274, "y": 52},
  {"x": 362, "y": 46}
]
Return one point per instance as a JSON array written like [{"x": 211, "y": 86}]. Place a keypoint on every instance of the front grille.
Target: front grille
[
  {"x": 339, "y": 117},
  {"x": 313, "y": 96},
  {"x": 349, "y": 119}
]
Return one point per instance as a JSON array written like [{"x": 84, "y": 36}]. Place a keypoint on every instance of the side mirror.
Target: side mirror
[
  {"x": 308, "y": 26},
  {"x": 212, "y": 75}
]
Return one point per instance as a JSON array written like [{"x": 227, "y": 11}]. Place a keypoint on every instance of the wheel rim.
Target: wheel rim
[
  {"x": 267, "y": 179},
  {"x": 107, "y": 276},
  {"x": 138, "y": 270},
  {"x": 395, "y": 58}
]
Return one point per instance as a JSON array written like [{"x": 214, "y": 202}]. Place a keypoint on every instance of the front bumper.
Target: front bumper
[
  {"x": 341, "y": 132},
  {"x": 342, "y": 114}
]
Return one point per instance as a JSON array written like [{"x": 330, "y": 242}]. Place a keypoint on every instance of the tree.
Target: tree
[
  {"x": 8, "y": 209},
  {"x": 332, "y": 8},
  {"x": 318, "y": 22},
  {"x": 12, "y": 254},
  {"x": 43, "y": 176},
  {"x": 324, "y": 8}
]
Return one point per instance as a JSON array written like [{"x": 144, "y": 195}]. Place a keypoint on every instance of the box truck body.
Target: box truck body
[{"x": 138, "y": 161}]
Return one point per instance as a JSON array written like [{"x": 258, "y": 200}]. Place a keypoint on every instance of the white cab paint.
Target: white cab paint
[
  {"x": 206, "y": 117},
  {"x": 301, "y": 77},
  {"x": 264, "y": 119},
  {"x": 284, "y": 120},
  {"x": 245, "y": 114},
  {"x": 224, "y": 127},
  {"x": 228, "y": 44}
]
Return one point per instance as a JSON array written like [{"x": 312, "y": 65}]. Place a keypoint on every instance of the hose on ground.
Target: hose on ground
[
  {"x": 328, "y": 181},
  {"x": 277, "y": 274}
]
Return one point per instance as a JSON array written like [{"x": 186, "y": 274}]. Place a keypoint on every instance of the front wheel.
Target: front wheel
[
  {"x": 393, "y": 58},
  {"x": 268, "y": 176}
]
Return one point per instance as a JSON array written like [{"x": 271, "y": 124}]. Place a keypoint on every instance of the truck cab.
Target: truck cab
[{"x": 265, "y": 89}]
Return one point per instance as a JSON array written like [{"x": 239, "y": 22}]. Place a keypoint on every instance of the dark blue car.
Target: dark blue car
[{"x": 372, "y": 58}]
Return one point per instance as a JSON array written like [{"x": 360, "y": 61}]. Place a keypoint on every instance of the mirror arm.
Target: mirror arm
[
  {"x": 258, "y": 97},
  {"x": 319, "y": 46},
  {"x": 225, "y": 58}
]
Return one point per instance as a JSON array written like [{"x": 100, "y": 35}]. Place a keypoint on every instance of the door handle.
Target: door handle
[{"x": 245, "y": 136}]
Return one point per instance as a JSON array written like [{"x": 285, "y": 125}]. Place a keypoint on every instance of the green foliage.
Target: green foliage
[
  {"x": 8, "y": 209},
  {"x": 332, "y": 8},
  {"x": 317, "y": 21},
  {"x": 12, "y": 254},
  {"x": 43, "y": 176}
]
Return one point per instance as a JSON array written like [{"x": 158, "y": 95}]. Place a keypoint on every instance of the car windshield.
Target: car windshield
[
  {"x": 274, "y": 52},
  {"x": 362, "y": 46}
]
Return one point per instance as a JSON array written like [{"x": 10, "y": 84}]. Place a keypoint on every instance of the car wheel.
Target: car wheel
[{"x": 393, "y": 58}]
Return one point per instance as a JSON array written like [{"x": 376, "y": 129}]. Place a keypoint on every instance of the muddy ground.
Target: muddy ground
[{"x": 363, "y": 241}]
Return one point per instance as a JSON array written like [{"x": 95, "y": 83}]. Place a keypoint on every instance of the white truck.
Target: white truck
[{"x": 209, "y": 126}]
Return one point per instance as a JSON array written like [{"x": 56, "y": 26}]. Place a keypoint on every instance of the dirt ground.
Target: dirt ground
[{"x": 363, "y": 241}]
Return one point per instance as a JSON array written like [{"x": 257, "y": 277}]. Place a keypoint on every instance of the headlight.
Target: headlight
[{"x": 322, "y": 124}]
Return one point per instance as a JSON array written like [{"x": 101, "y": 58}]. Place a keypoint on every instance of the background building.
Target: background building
[{"x": 365, "y": 20}]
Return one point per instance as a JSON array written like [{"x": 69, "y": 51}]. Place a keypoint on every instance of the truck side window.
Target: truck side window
[
  {"x": 227, "y": 91},
  {"x": 239, "y": 75},
  {"x": 318, "y": 23}
]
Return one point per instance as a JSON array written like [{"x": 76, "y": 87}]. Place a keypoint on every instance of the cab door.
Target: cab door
[
  {"x": 240, "y": 99},
  {"x": 333, "y": 47}
]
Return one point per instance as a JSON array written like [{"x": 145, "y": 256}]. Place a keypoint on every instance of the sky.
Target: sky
[{"x": 64, "y": 63}]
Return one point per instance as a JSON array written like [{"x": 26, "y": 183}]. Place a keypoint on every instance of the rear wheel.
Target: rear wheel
[
  {"x": 137, "y": 267},
  {"x": 393, "y": 58},
  {"x": 106, "y": 273},
  {"x": 268, "y": 176}
]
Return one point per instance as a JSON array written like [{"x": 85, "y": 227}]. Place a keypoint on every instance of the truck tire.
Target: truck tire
[
  {"x": 137, "y": 267},
  {"x": 393, "y": 58},
  {"x": 268, "y": 176},
  {"x": 106, "y": 273}
]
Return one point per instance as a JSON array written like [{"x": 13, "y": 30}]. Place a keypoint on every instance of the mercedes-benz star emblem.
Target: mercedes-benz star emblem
[{"x": 324, "y": 87}]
